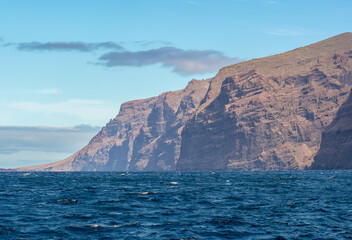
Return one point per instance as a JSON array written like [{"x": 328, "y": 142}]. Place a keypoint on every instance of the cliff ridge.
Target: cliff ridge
[{"x": 263, "y": 114}]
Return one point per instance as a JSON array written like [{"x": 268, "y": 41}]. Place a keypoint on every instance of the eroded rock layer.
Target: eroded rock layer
[
  {"x": 144, "y": 136},
  {"x": 336, "y": 146},
  {"x": 268, "y": 114},
  {"x": 263, "y": 114}
]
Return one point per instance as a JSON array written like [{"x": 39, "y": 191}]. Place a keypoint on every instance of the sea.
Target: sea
[{"x": 172, "y": 205}]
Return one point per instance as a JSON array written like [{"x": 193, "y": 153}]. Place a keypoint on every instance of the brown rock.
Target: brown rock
[
  {"x": 145, "y": 135},
  {"x": 268, "y": 114},
  {"x": 336, "y": 147},
  {"x": 111, "y": 148},
  {"x": 264, "y": 114},
  {"x": 157, "y": 147}
]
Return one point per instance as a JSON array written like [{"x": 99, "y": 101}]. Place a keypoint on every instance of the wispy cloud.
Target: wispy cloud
[
  {"x": 86, "y": 110},
  {"x": 184, "y": 62},
  {"x": 65, "y": 46}
]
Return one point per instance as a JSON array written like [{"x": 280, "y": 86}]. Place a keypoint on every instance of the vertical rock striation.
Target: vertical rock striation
[
  {"x": 144, "y": 136},
  {"x": 263, "y": 114},
  {"x": 336, "y": 147},
  {"x": 268, "y": 114},
  {"x": 157, "y": 147}
]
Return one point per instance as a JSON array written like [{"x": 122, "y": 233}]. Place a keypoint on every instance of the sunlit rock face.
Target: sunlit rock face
[
  {"x": 263, "y": 114},
  {"x": 268, "y": 114},
  {"x": 144, "y": 136}
]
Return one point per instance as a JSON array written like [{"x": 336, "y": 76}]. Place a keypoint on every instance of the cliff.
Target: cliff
[
  {"x": 145, "y": 135},
  {"x": 263, "y": 114},
  {"x": 269, "y": 113},
  {"x": 336, "y": 147}
]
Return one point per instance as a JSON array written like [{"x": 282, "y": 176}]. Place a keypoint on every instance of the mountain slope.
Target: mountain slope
[
  {"x": 157, "y": 147},
  {"x": 268, "y": 114},
  {"x": 263, "y": 114},
  {"x": 145, "y": 135}
]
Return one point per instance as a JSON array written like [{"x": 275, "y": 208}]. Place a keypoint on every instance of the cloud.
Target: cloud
[
  {"x": 65, "y": 46},
  {"x": 82, "y": 46},
  {"x": 184, "y": 62},
  {"x": 14, "y": 139},
  {"x": 90, "y": 111}
]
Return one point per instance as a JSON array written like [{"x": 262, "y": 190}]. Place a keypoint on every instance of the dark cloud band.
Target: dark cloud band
[
  {"x": 185, "y": 62},
  {"x": 67, "y": 46}
]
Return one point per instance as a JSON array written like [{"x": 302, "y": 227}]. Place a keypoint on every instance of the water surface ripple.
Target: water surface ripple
[{"x": 220, "y": 205}]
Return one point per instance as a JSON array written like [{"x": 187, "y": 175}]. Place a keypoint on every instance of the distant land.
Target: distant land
[
  {"x": 6, "y": 170},
  {"x": 290, "y": 111}
]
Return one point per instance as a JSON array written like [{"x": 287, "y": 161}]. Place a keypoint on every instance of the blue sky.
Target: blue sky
[{"x": 66, "y": 63}]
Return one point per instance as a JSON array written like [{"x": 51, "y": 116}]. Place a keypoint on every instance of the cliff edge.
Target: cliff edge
[
  {"x": 269, "y": 113},
  {"x": 263, "y": 114}
]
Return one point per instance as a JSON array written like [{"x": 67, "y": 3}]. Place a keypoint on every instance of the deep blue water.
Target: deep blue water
[{"x": 221, "y": 205}]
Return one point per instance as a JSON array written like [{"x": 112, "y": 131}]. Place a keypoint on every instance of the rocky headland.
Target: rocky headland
[{"x": 265, "y": 114}]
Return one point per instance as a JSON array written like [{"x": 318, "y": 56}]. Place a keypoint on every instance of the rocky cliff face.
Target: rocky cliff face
[
  {"x": 144, "y": 136},
  {"x": 336, "y": 147},
  {"x": 264, "y": 114},
  {"x": 157, "y": 146},
  {"x": 268, "y": 114}
]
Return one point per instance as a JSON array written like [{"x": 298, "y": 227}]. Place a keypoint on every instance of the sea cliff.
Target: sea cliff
[{"x": 265, "y": 114}]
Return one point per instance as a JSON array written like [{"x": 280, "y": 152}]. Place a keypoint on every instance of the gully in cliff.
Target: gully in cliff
[{"x": 263, "y": 114}]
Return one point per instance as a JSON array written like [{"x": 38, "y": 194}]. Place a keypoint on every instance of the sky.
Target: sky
[{"x": 67, "y": 66}]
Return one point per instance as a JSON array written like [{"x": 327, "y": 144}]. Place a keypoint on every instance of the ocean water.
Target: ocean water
[{"x": 220, "y": 205}]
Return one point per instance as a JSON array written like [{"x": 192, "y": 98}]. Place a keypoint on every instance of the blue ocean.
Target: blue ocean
[{"x": 204, "y": 205}]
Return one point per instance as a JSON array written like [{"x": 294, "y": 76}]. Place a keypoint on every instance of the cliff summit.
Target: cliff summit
[{"x": 263, "y": 114}]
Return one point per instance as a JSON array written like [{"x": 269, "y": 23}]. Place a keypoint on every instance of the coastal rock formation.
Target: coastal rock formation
[
  {"x": 263, "y": 114},
  {"x": 145, "y": 135},
  {"x": 268, "y": 114},
  {"x": 157, "y": 146},
  {"x": 336, "y": 147}
]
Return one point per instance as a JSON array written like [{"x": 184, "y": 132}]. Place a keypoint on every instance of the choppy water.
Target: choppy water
[{"x": 222, "y": 205}]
